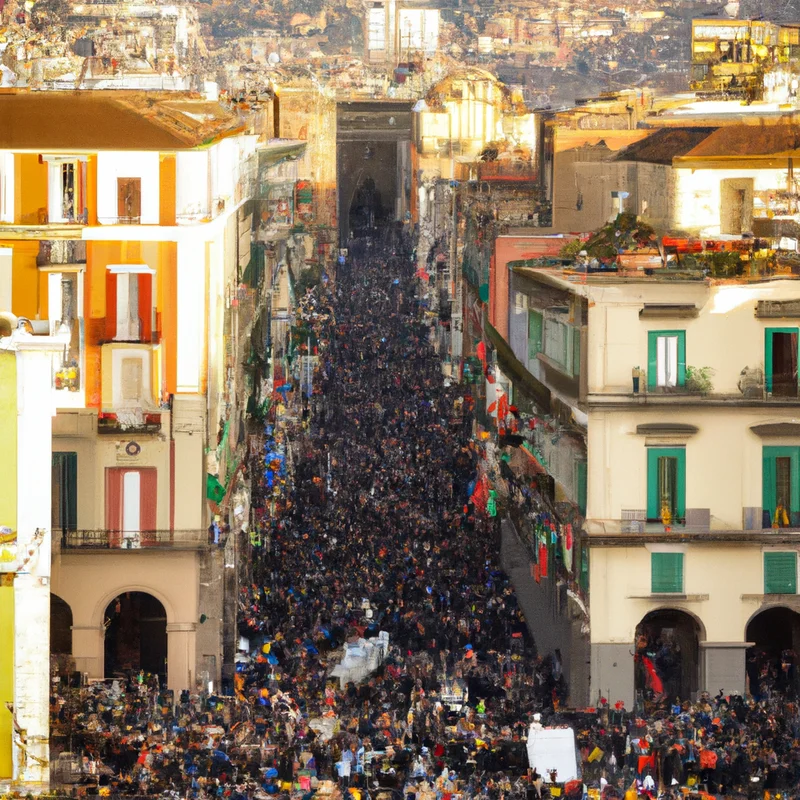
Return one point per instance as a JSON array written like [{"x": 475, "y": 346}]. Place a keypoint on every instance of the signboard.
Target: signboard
[{"x": 553, "y": 749}]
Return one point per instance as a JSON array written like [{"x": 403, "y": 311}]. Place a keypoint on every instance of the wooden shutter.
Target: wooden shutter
[
  {"x": 65, "y": 492},
  {"x": 534, "y": 334},
  {"x": 780, "y": 573},
  {"x": 666, "y": 573},
  {"x": 129, "y": 199},
  {"x": 148, "y": 507},
  {"x": 114, "y": 505}
]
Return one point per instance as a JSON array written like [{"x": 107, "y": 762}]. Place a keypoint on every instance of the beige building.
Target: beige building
[{"x": 688, "y": 387}]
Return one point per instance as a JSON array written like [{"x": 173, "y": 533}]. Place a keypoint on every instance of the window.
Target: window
[
  {"x": 64, "y": 512},
  {"x": 781, "y": 486},
  {"x": 559, "y": 344},
  {"x": 780, "y": 572},
  {"x": 377, "y": 28},
  {"x": 129, "y": 200},
  {"x": 534, "y": 334},
  {"x": 666, "y": 359},
  {"x": 129, "y": 327},
  {"x": 129, "y": 303},
  {"x": 666, "y": 484},
  {"x": 780, "y": 361},
  {"x": 666, "y": 573},
  {"x": 65, "y": 290},
  {"x": 66, "y": 189},
  {"x": 131, "y": 503}
]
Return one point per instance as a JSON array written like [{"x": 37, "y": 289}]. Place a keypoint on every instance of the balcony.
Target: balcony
[
  {"x": 635, "y": 533},
  {"x": 113, "y": 541},
  {"x": 507, "y": 170},
  {"x": 128, "y": 422},
  {"x": 58, "y": 252}
]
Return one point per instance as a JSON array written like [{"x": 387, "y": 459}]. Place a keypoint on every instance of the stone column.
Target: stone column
[
  {"x": 724, "y": 666},
  {"x": 181, "y": 658},
  {"x": 31, "y": 750}
]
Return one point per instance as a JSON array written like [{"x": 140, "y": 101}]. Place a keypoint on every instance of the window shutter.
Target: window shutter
[
  {"x": 666, "y": 573},
  {"x": 71, "y": 486},
  {"x": 780, "y": 573},
  {"x": 534, "y": 334},
  {"x": 681, "y": 358},
  {"x": 652, "y": 359}
]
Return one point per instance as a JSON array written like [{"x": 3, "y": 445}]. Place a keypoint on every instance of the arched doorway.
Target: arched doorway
[
  {"x": 60, "y": 626},
  {"x": 136, "y": 636},
  {"x": 366, "y": 208},
  {"x": 667, "y": 654},
  {"x": 772, "y": 661}
]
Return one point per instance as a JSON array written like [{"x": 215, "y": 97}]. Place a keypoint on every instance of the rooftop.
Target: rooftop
[
  {"x": 738, "y": 141},
  {"x": 111, "y": 120},
  {"x": 664, "y": 145}
]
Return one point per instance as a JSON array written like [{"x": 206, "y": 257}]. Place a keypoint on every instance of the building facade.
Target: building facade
[{"x": 129, "y": 226}]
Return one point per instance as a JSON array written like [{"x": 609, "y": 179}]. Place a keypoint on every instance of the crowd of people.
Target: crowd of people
[{"x": 380, "y": 542}]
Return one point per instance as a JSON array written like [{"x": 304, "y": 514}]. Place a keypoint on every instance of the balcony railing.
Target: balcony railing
[
  {"x": 135, "y": 421},
  {"x": 507, "y": 171},
  {"x": 61, "y": 251},
  {"x": 134, "y": 540}
]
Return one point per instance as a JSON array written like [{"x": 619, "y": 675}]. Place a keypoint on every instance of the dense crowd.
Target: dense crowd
[{"x": 380, "y": 542}]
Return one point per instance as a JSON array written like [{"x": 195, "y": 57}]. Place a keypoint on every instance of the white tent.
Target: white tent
[{"x": 553, "y": 749}]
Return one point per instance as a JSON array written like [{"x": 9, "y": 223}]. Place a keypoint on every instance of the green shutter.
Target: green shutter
[
  {"x": 65, "y": 495},
  {"x": 653, "y": 495},
  {"x": 534, "y": 334},
  {"x": 768, "y": 347},
  {"x": 576, "y": 351},
  {"x": 666, "y": 573},
  {"x": 71, "y": 486},
  {"x": 652, "y": 356},
  {"x": 681, "y": 358},
  {"x": 780, "y": 573},
  {"x": 769, "y": 479},
  {"x": 580, "y": 486}
]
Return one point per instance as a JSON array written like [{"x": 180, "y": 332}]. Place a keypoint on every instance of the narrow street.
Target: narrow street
[{"x": 389, "y": 541}]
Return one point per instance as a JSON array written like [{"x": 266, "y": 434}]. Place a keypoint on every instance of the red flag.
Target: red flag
[
  {"x": 543, "y": 560},
  {"x": 480, "y": 496},
  {"x": 652, "y": 676},
  {"x": 480, "y": 351}
]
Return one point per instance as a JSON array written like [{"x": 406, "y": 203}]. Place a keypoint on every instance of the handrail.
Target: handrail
[{"x": 135, "y": 540}]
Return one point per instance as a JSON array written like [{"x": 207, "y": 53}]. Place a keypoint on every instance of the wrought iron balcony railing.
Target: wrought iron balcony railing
[{"x": 112, "y": 540}]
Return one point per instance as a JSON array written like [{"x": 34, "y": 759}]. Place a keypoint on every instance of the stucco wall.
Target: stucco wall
[
  {"x": 88, "y": 583},
  {"x": 726, "y": 335},
  {"x": 723, "y": 459}
]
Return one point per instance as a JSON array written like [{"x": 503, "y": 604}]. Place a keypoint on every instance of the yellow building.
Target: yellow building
[{"x": 732, "y": 55}]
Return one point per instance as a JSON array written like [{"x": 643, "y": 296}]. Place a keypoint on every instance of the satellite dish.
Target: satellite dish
[{"x": 274, "y": 58}]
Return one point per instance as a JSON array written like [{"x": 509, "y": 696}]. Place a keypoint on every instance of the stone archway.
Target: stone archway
[
  {"x": 135, "y": 635},
  {"x": 60, "y": 626},
  {"x": 667, "y": 654},
  {"x": 772, "y": 661}
]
